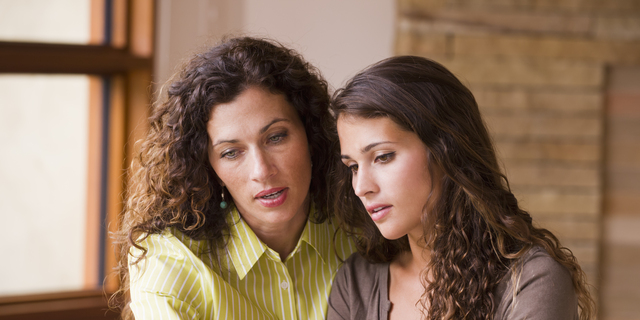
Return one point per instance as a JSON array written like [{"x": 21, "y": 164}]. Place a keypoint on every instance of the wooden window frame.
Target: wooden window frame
[{"x": 125, "y": 64}]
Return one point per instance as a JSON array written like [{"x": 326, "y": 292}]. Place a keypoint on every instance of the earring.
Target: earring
[{"x": 223, "y": 204}]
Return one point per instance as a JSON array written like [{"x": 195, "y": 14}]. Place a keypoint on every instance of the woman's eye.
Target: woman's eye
[
  {"x": 353, "y": 168},
  {"x": 385, "y": 157},
  {"x": 277, "y": 137},
  {"x": 231, "y": 154}
]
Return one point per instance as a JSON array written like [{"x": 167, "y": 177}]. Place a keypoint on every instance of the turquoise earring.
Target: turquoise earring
[{"x": 223, "y": 204}]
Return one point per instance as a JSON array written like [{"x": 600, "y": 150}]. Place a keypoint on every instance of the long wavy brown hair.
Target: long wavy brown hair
[
  {"x": 474, "y": 228},
  {"x": 172, "y": 184}
]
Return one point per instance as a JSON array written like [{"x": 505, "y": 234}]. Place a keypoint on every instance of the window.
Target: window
[{"x": 74, "y": 89}]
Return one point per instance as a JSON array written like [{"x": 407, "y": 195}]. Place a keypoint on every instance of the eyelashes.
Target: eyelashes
[
  {"x": 278, "y": 137},
  {"x": 381, "y": 159},
  {"x": 230, "y": 154},
  {"x": 384, "y": 158},
  {"x": 274, "y": 139}
]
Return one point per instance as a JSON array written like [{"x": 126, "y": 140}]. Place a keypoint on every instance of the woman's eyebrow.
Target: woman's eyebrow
[
  {"x": 276, "y": 120},
  {"x": 225, "y": 141},
  {"x": 372, "y": 145},
  {"x": 263, "y": 130},
  {"x": 367, "y": 148}
]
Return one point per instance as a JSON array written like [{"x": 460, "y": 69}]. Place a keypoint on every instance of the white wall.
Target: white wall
[{"x": 340, "y": 37}]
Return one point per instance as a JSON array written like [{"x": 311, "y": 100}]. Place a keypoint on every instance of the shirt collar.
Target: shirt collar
[
  {"x": 318, "y": 237},
  {"x": 245, "y": 249}
]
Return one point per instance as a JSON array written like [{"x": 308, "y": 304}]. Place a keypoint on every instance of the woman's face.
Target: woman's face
[
  {"x": 390, "y": 174},
  {"x": 259, "y": 151}
]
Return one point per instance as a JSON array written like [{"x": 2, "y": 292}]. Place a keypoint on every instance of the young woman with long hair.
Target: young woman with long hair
[
  {"x": 227, "y": 212},
  {"x": 439, "y": 233}
]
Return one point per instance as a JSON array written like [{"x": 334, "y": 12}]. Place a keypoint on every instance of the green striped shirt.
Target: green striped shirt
[{"x": 181, "y": 279}]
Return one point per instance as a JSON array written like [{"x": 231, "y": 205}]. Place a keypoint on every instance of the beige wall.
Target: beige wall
[{"x": 338, "y": 37}]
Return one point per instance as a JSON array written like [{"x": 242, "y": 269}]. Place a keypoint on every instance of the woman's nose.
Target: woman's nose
[
  {"x": 364, "y": 183},
  {"x": 263, "y": 166}
]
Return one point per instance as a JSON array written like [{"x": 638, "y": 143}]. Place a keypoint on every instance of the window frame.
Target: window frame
[{"x": 119, "y": 106}]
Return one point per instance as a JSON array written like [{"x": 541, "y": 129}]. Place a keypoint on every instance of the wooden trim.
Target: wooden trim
[
  {"x": 138, "y": 98},
  {"x": 119, "y": 24},
  {"x": 96, "y": 34},
  {"x": 92, "y": 242},
  {"x": 17, "y": 57},
  {"x": 114, "y": 177},
  {"x": 141, "y": 26},
  {"x": 89, "y": 304}
]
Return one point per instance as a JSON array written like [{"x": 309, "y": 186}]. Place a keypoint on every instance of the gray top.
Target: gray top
[{"x": 545, "y": 291}]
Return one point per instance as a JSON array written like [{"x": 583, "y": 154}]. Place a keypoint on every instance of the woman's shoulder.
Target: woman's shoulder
[
  {"x": 359, "y": 267},
  {"x": 170, "y": 241},
  {"x": 359, "y": 277},
  {"x": 543, "y": 289},
  {"x": 360, "y": 288},
  {"x": 537, "y": 263}
]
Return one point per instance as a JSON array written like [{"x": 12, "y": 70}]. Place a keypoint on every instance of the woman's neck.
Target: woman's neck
[
  {"x": 282, "y": 240},
  {"x": 405, "y": 281},
  {"x": 282, "y": 237},
  {"x": 417, "y": 259}
]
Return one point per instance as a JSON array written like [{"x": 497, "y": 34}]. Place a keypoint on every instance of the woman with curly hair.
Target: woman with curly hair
[
  {"x": 439, "y": 233},
  {"x": 227, "y": 207}
]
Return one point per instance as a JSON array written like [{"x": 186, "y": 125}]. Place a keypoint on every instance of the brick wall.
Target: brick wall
[{"x": 539, "y": 71}]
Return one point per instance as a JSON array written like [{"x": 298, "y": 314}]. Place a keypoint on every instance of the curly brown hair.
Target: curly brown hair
[
  {"x": 172, "y": 184},
  {"x": 474, "y": 228}
]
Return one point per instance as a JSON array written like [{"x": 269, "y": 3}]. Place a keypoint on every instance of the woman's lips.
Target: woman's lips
[
  {"x": 378, "y": 211},
  {"x": 272, "y": 197}
]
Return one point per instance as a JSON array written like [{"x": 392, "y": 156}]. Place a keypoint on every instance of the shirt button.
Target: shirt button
[{"x": 284, "y": 285}]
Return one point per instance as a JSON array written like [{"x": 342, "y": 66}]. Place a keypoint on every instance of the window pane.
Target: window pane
[
  {"x": 43, "y": 182},
  {"x": 56, "y": 21}
]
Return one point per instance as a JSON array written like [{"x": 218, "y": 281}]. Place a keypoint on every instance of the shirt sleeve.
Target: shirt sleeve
[
  {"x": 164, "y": 285},
  {"x": 339, "y": 297},
  {"x": 544, "y": 291}
]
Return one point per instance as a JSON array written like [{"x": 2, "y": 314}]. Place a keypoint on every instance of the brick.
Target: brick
[
  {"x": 623, "y": 129},
  {"x": 537, "y": 174},
  {"x": 519, "y": 127},
  {"x": 621, "y": 203},
  {"x": 622, "y": 180},
  {"x": 501, "y": 99},
  {"x": 617, "y": 27},
  {"x": 568, "y": 102},
  {"x": 592, "y": 271},
  {"x": 523, "y": 5},
  {"x": 501, "y": 21},
  {"x": 594, "y": 6},
  {"x": 410, "y": 42},
  {"x": 623, "y": 104},
  {"x": 585, "y": 251},
  {"x": 546, "y": 47},
  {"x": 570, "y": 229},
  {"x": 585, "y": 152},
  {"x": 525, "y": 72},
  {"x": 620, "y": 290},
  {"x": 520, "y": 100},
  {"x": 624, "y": 79},
  {"x": 623, "y": 155},
  {"x": 421, "y": 25},
  {"x": 621, "y": 230},
  {"x": 420, "y": 5},
  {"x": 615, "y": 6},
  {"x": 550, "y": 203}
]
